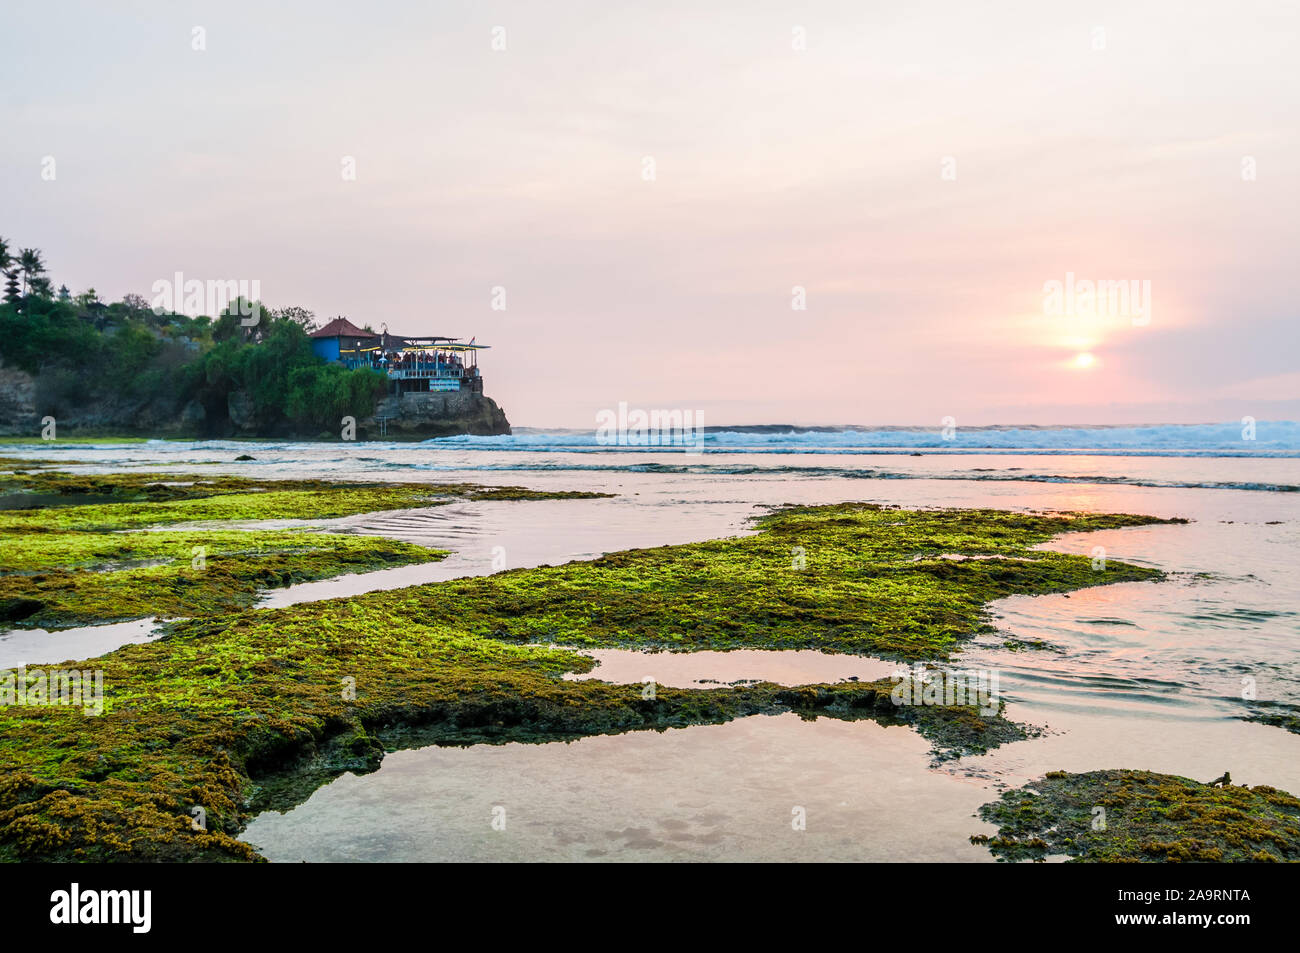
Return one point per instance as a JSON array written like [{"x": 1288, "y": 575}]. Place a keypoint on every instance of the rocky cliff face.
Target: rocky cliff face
[
  {"x": 18, "y": 402},
  {"x": 25, "y": 399},
  {"x": 445, "y": 414}
]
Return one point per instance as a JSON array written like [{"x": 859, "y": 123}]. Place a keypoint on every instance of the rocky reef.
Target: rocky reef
[
  {"x": 238, "y": 710},
  {"x": 1120, "y": 815}
]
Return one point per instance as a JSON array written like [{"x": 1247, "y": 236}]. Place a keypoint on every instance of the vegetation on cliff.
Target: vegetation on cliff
[{"x": 87, "y": 354}]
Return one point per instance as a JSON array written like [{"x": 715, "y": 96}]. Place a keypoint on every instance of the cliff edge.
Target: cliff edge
[
  {"x": 435, "y": 414},
  {"x": 25, "y": 399}
]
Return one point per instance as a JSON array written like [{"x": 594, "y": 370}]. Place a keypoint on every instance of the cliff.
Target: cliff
[
  {"x": 443, "y": 414},
  {"x": 26, "y": 398}
]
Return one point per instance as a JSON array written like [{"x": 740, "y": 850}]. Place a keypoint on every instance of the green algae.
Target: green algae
[
  {"x": 1127, "y": 816},
  {"x": 255, "y": 711},
  {"x": 51, "y": 551},
  {"x": 19, "y": 464},
  {"x": 862, "y": 588},
  {"x": 60, "y": 486},
  {"x": 190, "y": 574},
  {"x": 256, "y": 708},
  {"x": 80, "y": 438},
  {"x": 1277, "y": 714},
  {"x": 1029, "y": 645},
  {"x": 167, "y": 500},
  {"x": 67, "y": 562}
]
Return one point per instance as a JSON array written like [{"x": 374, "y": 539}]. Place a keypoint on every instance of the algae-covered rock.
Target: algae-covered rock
[
  {"x": 236, "y": 711},
  {"x": 1123, "y": 815}
]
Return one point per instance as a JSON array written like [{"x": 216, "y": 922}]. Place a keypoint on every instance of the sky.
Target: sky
[{"x": 765, "y": 212}]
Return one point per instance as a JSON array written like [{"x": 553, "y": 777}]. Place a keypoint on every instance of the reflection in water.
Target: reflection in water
[
  {"x": 707, "y": 669},
  {"x": 40, "y": 647},
  {"x": 715, "y": 792}
]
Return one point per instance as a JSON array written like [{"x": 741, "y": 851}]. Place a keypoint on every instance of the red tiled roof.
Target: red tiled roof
[{"x": 342, "y": 327}]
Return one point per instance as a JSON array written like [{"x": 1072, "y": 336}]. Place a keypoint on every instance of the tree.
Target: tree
[
  {"x": 10, "y": 273},
  {"x": 264, "y": 354},
  {"x": 300, "y": 316},
  {"x": 230, "y": 325},
  {"x": 137, "y": 306},
  {"x": 29, "y": 262}
]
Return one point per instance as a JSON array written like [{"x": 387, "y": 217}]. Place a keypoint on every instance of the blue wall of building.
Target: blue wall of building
[{"x": 327, "y": 348}]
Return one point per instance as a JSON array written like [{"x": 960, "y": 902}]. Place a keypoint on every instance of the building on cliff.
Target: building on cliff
[{"x": 411, "y": 364}]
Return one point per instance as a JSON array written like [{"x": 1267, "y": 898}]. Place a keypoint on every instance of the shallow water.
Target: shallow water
[
  {"x": 1137, "y": 675},
  {"x": 44, "y": 647},
  {"x": 714, "y": 792},
  {"x": 715, "y": 669}
]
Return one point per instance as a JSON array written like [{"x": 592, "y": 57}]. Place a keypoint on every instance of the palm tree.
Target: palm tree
[
  {"x": 29, "y": 261},
  {"x": 10, "y": 273}
]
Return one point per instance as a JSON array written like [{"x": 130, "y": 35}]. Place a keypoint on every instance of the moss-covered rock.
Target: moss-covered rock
[
  {"x": 235, "y": 712},
  {"x": 1278, "y": 714},
  {"x": 65, "y": 561},
  {"x": 1121, "y": 815},
  {"x": 850, "y": 578}
]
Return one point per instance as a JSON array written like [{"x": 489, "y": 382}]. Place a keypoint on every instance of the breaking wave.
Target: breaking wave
[{"x": 1271, "y": 438}]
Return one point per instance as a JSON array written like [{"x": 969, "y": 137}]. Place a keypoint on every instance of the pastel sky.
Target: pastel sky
[{"x": 920, "y": 169}]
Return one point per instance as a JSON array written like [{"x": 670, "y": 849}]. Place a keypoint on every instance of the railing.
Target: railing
[
  {"x": 417, "y": 371},
  {"x": 441, "y": 377},
  {"x": 410, "y": 373}
]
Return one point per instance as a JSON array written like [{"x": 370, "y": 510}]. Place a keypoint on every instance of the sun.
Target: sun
[{"x": 1084, "y": 360}]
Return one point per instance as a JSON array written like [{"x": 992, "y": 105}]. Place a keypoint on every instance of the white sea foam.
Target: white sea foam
[{"x": 1272, "y": 438}]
